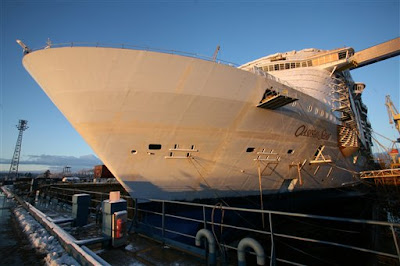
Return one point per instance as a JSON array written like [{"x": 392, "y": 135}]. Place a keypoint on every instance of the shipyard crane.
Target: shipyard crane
[{"x": 394, "y": 116}]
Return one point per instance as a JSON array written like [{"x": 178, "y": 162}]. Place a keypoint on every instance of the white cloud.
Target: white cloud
[{"x": 52, "y": 162}]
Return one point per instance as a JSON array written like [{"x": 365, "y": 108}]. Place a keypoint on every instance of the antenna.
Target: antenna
[
  {"x": 26, "y": 48},
  {"x": 13, "y": 173},
  {"x": 48, "y": 43},
  {"x": 216, "y": 53}
]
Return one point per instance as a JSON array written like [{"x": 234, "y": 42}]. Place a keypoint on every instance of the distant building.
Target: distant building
[{"x": 101, "y": 171}]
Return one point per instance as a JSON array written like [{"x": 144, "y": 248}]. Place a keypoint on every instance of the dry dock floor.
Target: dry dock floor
[
  {"x": 145, "y": 251},
  {"x": 139, "y": 250}
]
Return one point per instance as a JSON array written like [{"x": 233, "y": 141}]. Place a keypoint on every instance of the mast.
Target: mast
[{"x": 13, "y": 173}]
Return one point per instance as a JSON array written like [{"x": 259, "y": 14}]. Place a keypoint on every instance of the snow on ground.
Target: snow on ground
[
  {"x": 42, "y": 240},
  {"x": 6, "y": 192}
]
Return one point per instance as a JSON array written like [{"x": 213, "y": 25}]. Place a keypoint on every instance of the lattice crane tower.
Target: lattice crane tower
[{"x": 13, "y": 173}]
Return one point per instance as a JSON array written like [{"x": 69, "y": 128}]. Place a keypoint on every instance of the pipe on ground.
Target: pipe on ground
[
  {"x": 248, "y": 242},
  {"x": 204, "y": 233}
]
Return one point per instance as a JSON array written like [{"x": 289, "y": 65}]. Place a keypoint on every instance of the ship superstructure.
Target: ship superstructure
[
  {"x": 176, "y": 127},
  {"x": 314, "y": 72}
]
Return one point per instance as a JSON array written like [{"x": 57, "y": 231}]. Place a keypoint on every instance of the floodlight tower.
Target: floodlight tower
[{"x": 13, "y": 173}]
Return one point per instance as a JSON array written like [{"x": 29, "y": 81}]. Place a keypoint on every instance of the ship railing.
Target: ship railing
[
  {"x": 136, "y": 47},
  {"x": 163, "y": 220},
  {"x": 260, "y": 72}
]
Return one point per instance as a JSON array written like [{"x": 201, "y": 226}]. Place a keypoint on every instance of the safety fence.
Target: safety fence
[{"x": 291, "y": 238}]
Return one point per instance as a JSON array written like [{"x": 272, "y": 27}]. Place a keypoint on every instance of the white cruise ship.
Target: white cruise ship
[{"x": 171, "y": 126}]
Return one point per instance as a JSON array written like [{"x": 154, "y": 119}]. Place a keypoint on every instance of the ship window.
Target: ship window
[
  {"x": 316, "y": 110},
  {"x": 309, "y": 63},
  {"x": 154, "y": 146},
  {"x": 304, "y": 64},
  {"x": 276, "y": 67},
  {"x": 290, "y": 151},
  {"x": 281, "y": 66},
  {"x": 271, "y": 68},
  {"x": 292, "y": 65},
  {"x": 298, "y": 64},
  {"x": 310, "y": 108},
  {"x": 342, "y": 55},
  {"x": 250, "y": 149},
  {"x": 133, "y": 151},
  {"x": 287, "y": 65}
]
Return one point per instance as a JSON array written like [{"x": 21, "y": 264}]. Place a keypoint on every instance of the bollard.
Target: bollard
[
  {"x": 250, "y": 242},
  {"x": 211, "y": 244}
]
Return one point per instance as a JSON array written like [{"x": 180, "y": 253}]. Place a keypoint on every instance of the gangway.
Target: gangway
[
  {"x": 371, "y": 55},
  {"x": 375, "y": 54}
]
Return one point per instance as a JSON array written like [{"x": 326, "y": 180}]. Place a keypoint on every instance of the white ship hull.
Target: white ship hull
[{"x": 175, "y": 127}]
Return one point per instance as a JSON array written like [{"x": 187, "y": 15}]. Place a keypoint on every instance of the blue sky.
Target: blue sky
[{"x": 245, "y": 30}]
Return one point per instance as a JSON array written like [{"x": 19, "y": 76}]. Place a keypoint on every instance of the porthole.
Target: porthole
[
  {"x": 316, "y": 110},
  {"x": 290, "y": 151},
  {"x": 321, "y": 113},
  {"x": 154, "y": 146},
  {"x": 133, "y": 151},
  {"x": 294, "y": 104},
  {"x": 310, "y": 108},
  {"x": 250, "y": 149}
]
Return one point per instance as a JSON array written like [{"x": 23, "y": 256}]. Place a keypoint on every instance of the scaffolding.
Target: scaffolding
[{"x": 383, "y": 177}]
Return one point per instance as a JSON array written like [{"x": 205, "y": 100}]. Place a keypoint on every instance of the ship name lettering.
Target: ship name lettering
[{"x": 312, "y": 133}]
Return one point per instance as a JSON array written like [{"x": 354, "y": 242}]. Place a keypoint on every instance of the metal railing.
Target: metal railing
[
  {"x": 134, "y": 47},
  {"x": 163, "y": 219}
]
